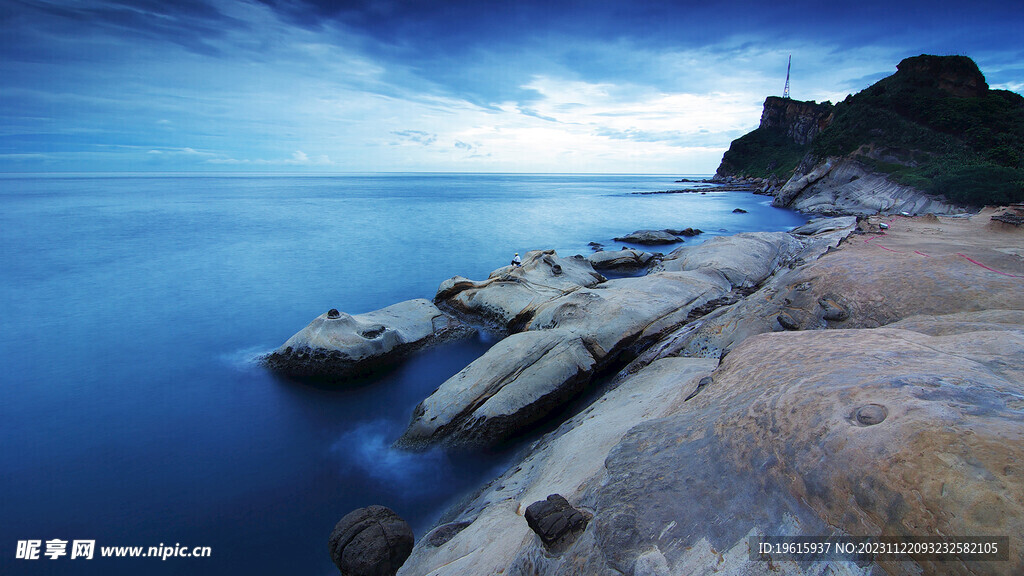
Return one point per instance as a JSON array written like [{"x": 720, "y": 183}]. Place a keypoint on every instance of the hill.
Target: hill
[{"x": 934, "y": 126}]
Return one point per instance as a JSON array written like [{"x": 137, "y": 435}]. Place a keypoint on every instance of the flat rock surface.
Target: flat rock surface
[{"x": 927, "y": 265}]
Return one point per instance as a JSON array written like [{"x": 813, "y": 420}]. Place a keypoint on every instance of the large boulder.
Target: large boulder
[
  {"x": 569, "y": 339},
  {"x": 510, "y": 292},
  {"x": 341, "y": 346},
  {"x": 371, "y": 541}
]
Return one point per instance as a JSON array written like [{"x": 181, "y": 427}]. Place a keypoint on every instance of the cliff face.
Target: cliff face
[
  {"x": 776, "y": 147},
  {"x": 800, "y": 121},
  {"x": 931, "y": 136}
]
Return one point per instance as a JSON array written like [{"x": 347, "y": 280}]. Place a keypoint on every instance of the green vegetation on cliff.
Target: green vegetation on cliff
[
  {"x": 763, "y": 153},
  {"x": 933, "y": 125}
]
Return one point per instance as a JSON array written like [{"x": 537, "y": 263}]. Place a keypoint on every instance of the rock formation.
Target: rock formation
[
  {"x": 339, "y": 346},
  {"x": 649, "y": 237},
  {"x": 900, "y": 145},
  {"x": 371, "y": 541},
  {"x": 891, "y": 407},
  {"x": 624, "y": 260}
]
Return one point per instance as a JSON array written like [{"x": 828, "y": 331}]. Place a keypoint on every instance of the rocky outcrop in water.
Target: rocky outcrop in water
[
  {"x": 340, "y": 346},
  {"x": 649, "y": 237}
]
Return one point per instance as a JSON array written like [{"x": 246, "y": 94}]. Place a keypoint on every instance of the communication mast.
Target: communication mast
[{"x": 785, "y": 93}]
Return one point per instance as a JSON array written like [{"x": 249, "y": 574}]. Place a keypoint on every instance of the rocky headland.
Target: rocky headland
[
  {"x": 860, "y": 375},
  {"x": 931, "y": 138}
]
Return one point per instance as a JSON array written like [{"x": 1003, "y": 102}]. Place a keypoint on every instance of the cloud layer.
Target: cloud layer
[{"x": 381, "y": 85}]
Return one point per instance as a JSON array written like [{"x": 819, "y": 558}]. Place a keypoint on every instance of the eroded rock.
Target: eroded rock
[
  {"x": 341, "y": 346},
  {"x": 512, "y": 293}
]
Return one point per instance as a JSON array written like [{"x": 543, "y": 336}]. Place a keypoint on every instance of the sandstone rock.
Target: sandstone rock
[
  {"x": 510, "y": 292},
  {"x": 556, "y": 522},
  {"x": 649, "y": 237},
  {"x": 869, "y": 432},
  {"x": 517, "y": 382},
  {"x": 497, "y": 540},
  {"x": 371, "y": 541},
  {"x": 825, "y": 225},
  {"x": 746, "y": 259},
  {"x": 528, "y": 375},
  {"x": 844, "y": 186},
  {"x": 864, "y": 285},
  {"x": 341, "y": 346},
  {"x": 619, "y": 259}
]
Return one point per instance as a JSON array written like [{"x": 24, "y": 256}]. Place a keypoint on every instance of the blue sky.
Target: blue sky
[{"x": 423, "y": 85}]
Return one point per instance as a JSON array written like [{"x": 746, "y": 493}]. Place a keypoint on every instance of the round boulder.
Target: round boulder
[{"x": 371, "y": 541}]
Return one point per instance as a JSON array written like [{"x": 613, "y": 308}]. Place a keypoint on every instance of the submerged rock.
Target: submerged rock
[
  {"x": 371, "y": 541},
  {"x": 341, "y": 346}
]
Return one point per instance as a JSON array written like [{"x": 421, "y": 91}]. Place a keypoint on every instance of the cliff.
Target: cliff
[
  {"x": 781, "y": 140},
  {"x": 932, "y": 136}
]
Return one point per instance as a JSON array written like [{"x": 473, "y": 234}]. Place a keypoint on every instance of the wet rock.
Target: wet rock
[
  {"x": 649, "y": 237},
  {"x": 556, "y": 522},
  {"x": 371, "y": 541},
  {"x": 739, "y": 211}
]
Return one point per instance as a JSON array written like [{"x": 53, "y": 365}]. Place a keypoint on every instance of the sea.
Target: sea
[{"x": 134, "y": 308}]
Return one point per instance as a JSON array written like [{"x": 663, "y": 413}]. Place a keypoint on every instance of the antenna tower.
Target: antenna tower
[{"x": 785, "y": 93}]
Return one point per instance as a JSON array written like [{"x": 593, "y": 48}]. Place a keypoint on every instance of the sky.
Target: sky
[{"x": 621, "y": 86}]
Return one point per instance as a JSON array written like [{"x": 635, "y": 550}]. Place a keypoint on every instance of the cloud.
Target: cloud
[
  {"x": 416, "y": 136},
  {"x": 298, "y": 158}
]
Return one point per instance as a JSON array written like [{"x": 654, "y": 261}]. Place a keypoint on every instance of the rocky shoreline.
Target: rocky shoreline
[{"x": 855, "y": 376}]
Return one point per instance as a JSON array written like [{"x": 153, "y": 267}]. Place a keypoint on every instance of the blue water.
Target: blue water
[{"x": 131, "y": 308}]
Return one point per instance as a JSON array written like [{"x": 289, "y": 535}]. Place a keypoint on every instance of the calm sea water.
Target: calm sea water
[{"x": 132, "y": 413}]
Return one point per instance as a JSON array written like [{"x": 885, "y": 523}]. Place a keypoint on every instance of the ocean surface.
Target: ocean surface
[{"x": 132, "y": 308}]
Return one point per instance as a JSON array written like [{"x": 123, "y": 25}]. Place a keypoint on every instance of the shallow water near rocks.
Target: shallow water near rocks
[{"x": 134, "y": 307}]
